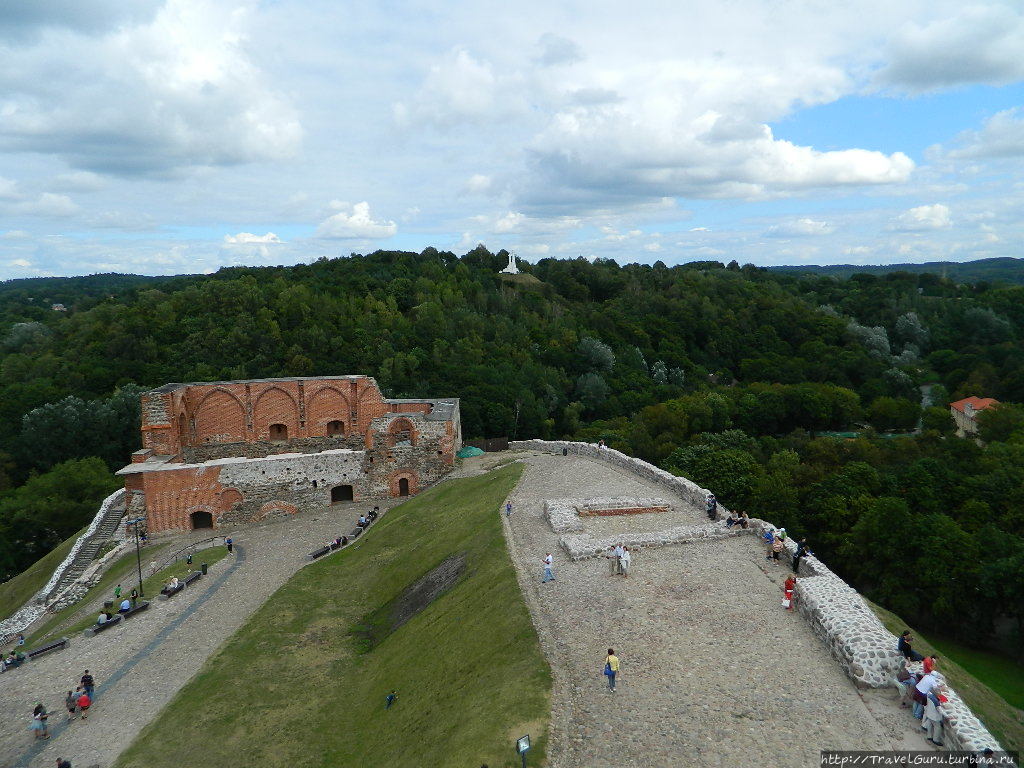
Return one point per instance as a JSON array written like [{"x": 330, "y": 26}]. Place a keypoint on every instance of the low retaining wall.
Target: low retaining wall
[{"x": 837, "y": 613}]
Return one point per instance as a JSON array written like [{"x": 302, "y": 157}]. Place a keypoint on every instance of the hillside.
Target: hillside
[
  {"x": 357, "y": 625},
  {"x": 1003, "y": 269}
]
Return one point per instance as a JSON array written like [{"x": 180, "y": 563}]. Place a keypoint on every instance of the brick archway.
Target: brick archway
[
  {"x": 410, "y": 486},
  {"x": 401, "y": 431}
]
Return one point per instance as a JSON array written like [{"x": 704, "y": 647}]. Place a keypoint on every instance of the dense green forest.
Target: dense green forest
[
  {"x": 727, "y": 374},
  {"x": 1001, "y": 268}
]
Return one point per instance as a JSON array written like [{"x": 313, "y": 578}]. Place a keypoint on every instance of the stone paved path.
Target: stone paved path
[
  {"x": 154, "y": 655},
  {"x": 714, "y": 672}
]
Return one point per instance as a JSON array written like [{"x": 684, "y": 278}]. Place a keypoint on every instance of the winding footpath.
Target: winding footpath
[{"x": 141, "y": 665}]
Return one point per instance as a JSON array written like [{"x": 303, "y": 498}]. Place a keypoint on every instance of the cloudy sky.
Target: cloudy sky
[{"x": 170, "y": 136}]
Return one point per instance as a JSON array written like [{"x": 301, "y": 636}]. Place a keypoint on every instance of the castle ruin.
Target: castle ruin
[{"x": 221, "y": 453}]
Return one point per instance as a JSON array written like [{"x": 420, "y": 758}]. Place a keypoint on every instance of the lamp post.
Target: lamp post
[{"x": 138, "y": 557}]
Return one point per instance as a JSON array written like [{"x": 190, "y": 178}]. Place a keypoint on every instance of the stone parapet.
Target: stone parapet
[{"x": 837, "y": 613}]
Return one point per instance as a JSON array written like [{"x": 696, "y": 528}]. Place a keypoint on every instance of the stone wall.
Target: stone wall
[
  {"x": 837, "y": 613},
  {"x": 262, "y": 448}
]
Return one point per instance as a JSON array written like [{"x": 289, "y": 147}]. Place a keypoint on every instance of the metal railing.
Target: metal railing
[{"x": 192, "y": 549}]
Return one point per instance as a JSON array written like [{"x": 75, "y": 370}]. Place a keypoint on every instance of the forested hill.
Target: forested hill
[
  {"x": 721, "y": 373},
  {"x": 1004, "y": 269}
]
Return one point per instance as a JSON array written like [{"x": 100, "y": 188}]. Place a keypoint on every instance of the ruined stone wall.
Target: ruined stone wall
[
  {"x": 262, "y": 448},
  {"x": 837, "y": 613}
]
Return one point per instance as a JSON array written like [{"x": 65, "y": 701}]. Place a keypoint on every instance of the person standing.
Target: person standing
[
  {"x": 508, "y": 509},
  {"x": 611, "y": 668},
  {"x": 84, "y": 702},
  {"x": 390, "y": 699},
  {"x": 230, "y": 543},
  {"x": 776, "y": 549},
  {"x": 769, "y": 539},
  {"x": 933, "y": 716},
  {"x": 712, "y": 507},
  {"x": 71, "y": 702},
  {"x": 619, "y": 550},
  {"x": 801, "y": 550},
  {"x": 612, "y": 560},
  {"x": 548, "y": 576},
  {"x": 787, "y": 593},
  {"x": 88, "y": 684},
  {"x": 38, "y": 726},
  {"x": 117, "y": 592},
  {"x": 134, "y": 596},
  {"x": 625, "y": 561}
]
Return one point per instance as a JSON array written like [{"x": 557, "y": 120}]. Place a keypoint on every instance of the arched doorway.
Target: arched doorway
[
  {"x": 341, "y": 493},
  {"x": 278, "y": 432},
  {"x": 335, "y": 429},
  {"x": 403, "y": 486},
  {"x": 201, "y": 520}
]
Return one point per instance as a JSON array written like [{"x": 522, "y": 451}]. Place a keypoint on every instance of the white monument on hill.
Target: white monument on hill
[{"x": 511, "y": 269}]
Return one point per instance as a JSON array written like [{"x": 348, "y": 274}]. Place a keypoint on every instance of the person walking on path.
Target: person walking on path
[
  {"x": 548, "y": 575},
  {"x": 38, "y": 726},
  {"x": 508, "y": 509},
  {"x": 71, "y": 702},
  {"x": 611, "y": 668},
  {"x": 117, "y": 592},
  {"x": 787, "y": 593},
  {"x": 88, "y": 684},
  {"x": 84, "y": 702},
  {"x": 625, "y": 561},
  {"x": 230, "y": 543},
  {"x": 390, "y": 699}
]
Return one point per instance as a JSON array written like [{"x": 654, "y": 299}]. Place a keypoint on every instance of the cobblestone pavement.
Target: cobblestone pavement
[
  {"x": 714, "y": 672},
  {"x": 149, "y": 664}
]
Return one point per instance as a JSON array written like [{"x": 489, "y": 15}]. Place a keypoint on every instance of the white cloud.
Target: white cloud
[
  {"x": 975, "y": 43},
  {"x": 49, "y": 205},
  {"x": 800, "y": 228},
  {"x": 700, "y": 229},
  {"x": 652, "y": 247},
  {"x": 1001, "y": 136},
  {"x": 923, "y": 217},
  {"x": 478, "y": 184},
  {"x": 15, "y": 234},
  {"x": 356, "y": 224},
  {"x": 78, "y": 181},
  {"x": 176, "y": 91},
  {"x": 247, "y": 238}
]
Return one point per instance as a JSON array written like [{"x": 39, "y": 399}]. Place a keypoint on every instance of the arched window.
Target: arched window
[
  {"x": 341, "y": 493},
  {"x": 401, "y": 433},
  {"x": 335, "y": 429},
  {"x": 201, "y": 520},
  {"x": 278, "y": 432}
]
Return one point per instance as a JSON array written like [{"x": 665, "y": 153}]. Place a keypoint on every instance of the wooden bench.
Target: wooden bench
[
  {"x": 192, "y": 578},
  {"x": 56, "y": 645},
  {"x": 95, "y": 629},
  {"x": 319, "y": 553},
  {"x": 137, "y": 608},
  {"x": 168, "y": 592},
  {"x": 355, "y": 532}
]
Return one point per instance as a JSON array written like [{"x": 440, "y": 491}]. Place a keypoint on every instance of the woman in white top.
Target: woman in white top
[{"x": 625, "y": 561}]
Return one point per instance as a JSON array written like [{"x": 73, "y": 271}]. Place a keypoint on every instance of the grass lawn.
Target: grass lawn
[
  {"x": 122, "y": 572},
  {"x": 988, "y": 683},
  {"x": 17, "y": 591},
  {"x": 295, "y": 687},
  {"x": 151, "y": 586}
]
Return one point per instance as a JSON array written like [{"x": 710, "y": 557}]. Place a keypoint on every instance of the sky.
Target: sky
[{"x": 180, "y": 136}]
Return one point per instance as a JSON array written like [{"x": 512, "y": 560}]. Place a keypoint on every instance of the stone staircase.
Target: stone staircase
[{"x": 87, "y": 551}]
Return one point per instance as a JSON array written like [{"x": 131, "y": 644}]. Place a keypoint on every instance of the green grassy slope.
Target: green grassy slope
[
  {"x": 292, "y": 689},
  {"x": 980, "y": 685},
  {"x": 17, "y": 591}
]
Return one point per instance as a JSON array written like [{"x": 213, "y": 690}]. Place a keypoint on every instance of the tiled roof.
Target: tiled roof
[{"x": 978, "y": 403}]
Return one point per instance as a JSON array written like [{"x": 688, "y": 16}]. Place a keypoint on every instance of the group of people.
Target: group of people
[
  {"x": 924, "y": 690},
  {"x": 742, "y": 519},
  {"x": 77, "y": 702},
  {"x": 369, "y": 517},
  {"x": 620, "y": 559},
  {"x": 775, "y": 543}
]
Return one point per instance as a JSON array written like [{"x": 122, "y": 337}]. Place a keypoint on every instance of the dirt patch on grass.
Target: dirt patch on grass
[{"x": 375, "y": 626}]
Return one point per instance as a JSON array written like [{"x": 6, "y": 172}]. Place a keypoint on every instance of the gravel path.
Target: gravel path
[
  {"x": 142, "y": 664},
  {"x": 714, "y": 672}
]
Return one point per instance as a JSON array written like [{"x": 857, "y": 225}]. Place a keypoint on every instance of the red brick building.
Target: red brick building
[{"x": 240, "y": 451}]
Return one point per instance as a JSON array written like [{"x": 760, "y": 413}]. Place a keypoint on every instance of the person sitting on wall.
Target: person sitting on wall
[
  {"x": 102, "y": 618},
  {"x": 744, "y": 520},
  {"x": 903, "y": 646},
  {"x": 733, "y": 519},
  {"x": 344, "y": 541},
  {"x": 362, "y": 521},
  {"x": 126, "y": 605},
  {"x": 904, "y": 683}
]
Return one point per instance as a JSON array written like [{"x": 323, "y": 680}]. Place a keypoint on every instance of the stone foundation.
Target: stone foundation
[
  {"x": 837, "y": 613},
  {"x": 564, "y": 514}
]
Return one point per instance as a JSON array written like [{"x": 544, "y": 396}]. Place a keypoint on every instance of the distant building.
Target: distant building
[
  {"x": 965, "y": 414},
  {"x": 58, "y": 308},
  {"x": 221, "y": 453}
]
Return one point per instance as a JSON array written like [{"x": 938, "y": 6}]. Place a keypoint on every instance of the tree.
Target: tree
[
  {"x": 1001, "y": 422},
  {"x": 597, "y": 355},
  {"x": 887, "y": 413},
  {"x": 730, "y": 474}
]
